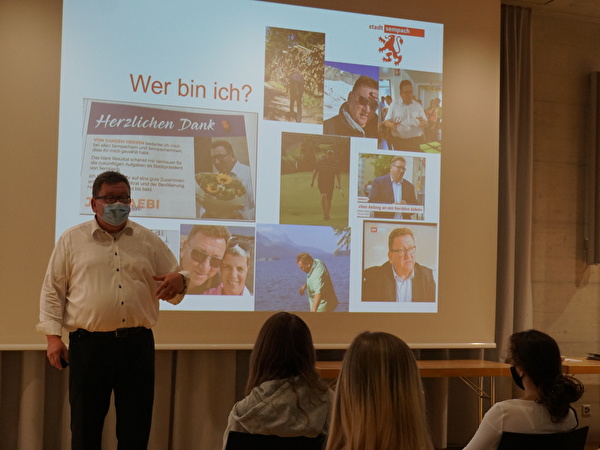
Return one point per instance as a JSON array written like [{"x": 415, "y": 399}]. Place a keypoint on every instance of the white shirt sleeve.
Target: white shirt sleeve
[{"x": 489, "y": 432}]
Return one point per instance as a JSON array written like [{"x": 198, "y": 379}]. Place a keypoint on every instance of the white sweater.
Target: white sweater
[{"x": 517, "y": 416}]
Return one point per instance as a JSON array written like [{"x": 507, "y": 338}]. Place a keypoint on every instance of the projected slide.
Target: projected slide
[{"x": 290, "y": 157}]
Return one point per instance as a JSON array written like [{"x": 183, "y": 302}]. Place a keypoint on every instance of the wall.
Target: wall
[
  {"x": 565, "y": 290},
  {"x": 29, "y": 88}
]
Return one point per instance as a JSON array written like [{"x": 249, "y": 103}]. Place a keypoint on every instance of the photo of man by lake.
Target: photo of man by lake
[{"x": 279, "y": 277}]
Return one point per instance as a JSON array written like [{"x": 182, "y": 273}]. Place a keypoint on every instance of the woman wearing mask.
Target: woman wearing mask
[{"x": 545, "y": 406}]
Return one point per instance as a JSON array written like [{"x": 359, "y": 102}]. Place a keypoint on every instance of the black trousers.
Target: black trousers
[
  {"x": 298, "y": 101},
  {"x": 100, "y": 364}
]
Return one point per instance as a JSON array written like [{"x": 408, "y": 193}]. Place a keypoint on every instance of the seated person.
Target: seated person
[
  {"x": 545, "y": 407},
  {"x": 284, "y": 394},
  {"x": 234, "y": 270},
  {"x": 379, "y": 402}
]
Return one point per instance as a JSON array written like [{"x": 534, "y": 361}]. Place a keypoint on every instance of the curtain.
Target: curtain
[
  {"x": 514, "y": 295},
  {"x": 194, "y": 393}
]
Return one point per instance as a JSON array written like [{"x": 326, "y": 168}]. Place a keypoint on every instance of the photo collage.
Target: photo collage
[{"x": 327, "y": 200}]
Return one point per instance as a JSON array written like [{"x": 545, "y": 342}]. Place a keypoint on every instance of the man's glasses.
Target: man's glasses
[
  {"x": 403, "y": 169},
  {"x": 200, "y": 257},
  {"x": 219, "y": 157},
  {"x": 403, "y": 251},
  {"x": 110, "y": 199},
  {"x": 364, "y": 101}
]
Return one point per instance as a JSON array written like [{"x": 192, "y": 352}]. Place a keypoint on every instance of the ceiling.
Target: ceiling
[{"x": 580, "y": 9}]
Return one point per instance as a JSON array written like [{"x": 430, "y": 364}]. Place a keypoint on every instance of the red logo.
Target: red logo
[{"x": 391, "y": 48}]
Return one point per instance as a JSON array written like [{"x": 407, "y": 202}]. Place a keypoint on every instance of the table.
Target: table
[
  {"x": 436, "y": 368},
  {"x": 459, "y": 368},
  {"x": 575, "y": 365}
]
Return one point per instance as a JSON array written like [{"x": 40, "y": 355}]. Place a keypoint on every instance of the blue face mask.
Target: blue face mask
[{"x": 115, "y": 214}]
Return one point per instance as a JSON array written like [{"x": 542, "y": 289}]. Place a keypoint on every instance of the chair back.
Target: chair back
[
  {"x": 249, "y": 441},
  {"x": 568, "y": 440}
]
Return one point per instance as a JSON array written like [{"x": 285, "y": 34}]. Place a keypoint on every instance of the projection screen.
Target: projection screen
[{"x": 198, "y": 104}]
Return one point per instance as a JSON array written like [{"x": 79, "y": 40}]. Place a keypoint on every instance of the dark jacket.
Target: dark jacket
[
  {"x": 379, "y": 284},
  {"x": 382, "y": 192},
  {"x": 339, "y": 126}
]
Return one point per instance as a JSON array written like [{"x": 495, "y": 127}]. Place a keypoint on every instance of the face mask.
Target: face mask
[
  {"x": 115, "y": 214},
  {"x": 516, "y": 378}
]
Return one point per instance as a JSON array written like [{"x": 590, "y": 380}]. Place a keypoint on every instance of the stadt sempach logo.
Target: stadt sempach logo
[{"x": 392, "y": 44}]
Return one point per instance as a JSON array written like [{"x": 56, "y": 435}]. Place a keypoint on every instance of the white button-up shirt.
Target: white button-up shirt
[
  {"x": 409, "y": 126},
  {"x": 403, "y": 287},
  {"x": 100, "y": 282}
]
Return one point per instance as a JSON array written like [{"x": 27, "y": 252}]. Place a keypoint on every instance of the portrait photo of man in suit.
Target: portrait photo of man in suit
[
  {"x": 393, "y": 188},
  {"x": 400, "y": 278}
]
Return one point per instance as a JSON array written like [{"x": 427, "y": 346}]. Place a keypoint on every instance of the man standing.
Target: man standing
[
  {"x": 103, "y": 283},
  {"x": 296, "y": 88},
  {"x": 224, "y": 160},
  {"x": 406, "y": 120},
  {"x": 393, "y": 188},
  {"x": 381, "y": 106},
  {"x": 327, "y": 171},
  {"x": 318, "y": 286},
  {"x": 401, "y": 278},
  {"x": 358, "y": 115},
  {"x": 202, "y": 254}
]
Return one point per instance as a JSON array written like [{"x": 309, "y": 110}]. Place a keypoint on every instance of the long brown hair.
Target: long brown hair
[
  {"x": 379, "y": 402},
  {"x": 284, "y": 348}
]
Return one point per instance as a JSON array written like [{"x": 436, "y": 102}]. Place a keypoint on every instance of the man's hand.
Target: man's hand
[
  {"x": 56, "y": 349},
  {"x": 302, "y": 289},
  {"x": 391, "y": 124},
  {"x": 172, "y": 285}
]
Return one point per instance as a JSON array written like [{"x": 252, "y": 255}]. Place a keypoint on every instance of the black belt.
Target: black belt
[{"x": 119, "y": 332}]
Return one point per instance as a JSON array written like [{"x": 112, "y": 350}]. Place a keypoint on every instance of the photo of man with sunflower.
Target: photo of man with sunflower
[{"x": 226, "y": 192}]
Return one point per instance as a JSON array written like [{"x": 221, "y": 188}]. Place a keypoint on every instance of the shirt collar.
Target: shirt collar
[
  {"x": 398, "y": 183},
  {"x": 97, "y": 230},
  {"x": 397, "y": 278},
  {"x": 233, "y": 169},
  {"x": 312, "y": 267}
]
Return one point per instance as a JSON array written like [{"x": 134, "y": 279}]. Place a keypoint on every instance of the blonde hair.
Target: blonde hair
[{"x": 379, "y": 402}]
